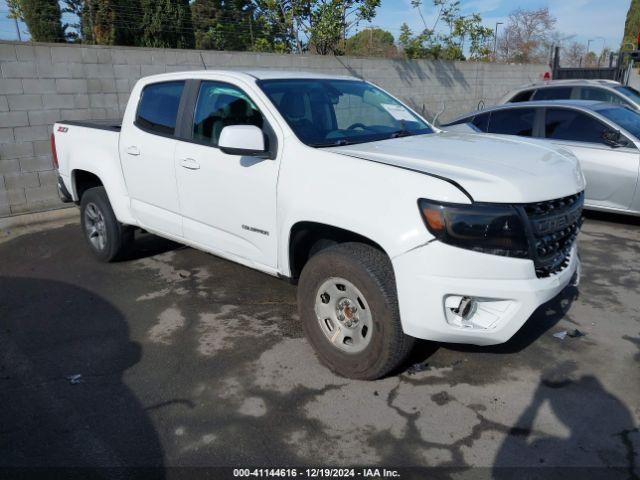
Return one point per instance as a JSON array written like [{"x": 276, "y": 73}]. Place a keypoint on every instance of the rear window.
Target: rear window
[
  {"x": 522, "y": 97},
  {"x": 553, "y": 93},
  {"x": 516, "y": 121},
  {"x": 599, "y": 94},
  {"x": 158, "y": 107}
]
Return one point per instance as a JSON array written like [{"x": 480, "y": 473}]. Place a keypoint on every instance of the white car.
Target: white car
[
  {"x": 608, "y": 91},
  {"x": 604, "y": 137},
  {"x": 392, "y": 229}
]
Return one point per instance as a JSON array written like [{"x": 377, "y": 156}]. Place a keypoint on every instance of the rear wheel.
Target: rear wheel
[
  {"x": 349, "y": 309},
  {"x": 107, "y": 238}
]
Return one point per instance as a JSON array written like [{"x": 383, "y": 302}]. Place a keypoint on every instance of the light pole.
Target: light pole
[
  {"x": 586, "y": 56},
  {"x": 495, "y": 42}
]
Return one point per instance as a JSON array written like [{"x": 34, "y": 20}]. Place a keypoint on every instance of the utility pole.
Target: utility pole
[
  {"x": 495, "y": 42},
  {"x": 18, "y": 29}
]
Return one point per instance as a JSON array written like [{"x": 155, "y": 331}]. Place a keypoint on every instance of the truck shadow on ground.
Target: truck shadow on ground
[
  {"x": 63, "y": 352},
  {"x": 591, "y": 424},
  {"x": 149, "y": 245}
]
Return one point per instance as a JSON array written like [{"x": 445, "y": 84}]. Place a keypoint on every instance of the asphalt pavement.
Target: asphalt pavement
[{"x": 176, "y": 358}]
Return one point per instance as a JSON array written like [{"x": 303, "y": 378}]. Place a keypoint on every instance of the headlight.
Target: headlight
[{"x": 487, "y": 228}]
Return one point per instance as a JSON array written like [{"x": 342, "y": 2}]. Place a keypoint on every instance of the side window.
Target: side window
[
  {"x": 158, "y": 107},
  {"x": 515, "y": 121},
  {"x": 600, "y": 95},
  {"x": 564, "y": 124},
  {"x": 521, "y": 97},
  {"x": 481, "y": 121},
  {"x": 220, "y": 105},
  {"x": 553, "y": 93}
]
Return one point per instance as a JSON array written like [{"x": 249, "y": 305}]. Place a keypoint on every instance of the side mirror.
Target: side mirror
[
  {"x": 614, "y": 139},
  {"x": 245, "y": 140}
]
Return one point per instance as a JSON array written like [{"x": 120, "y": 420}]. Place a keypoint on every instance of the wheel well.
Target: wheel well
[
  {"x": 308, "y": 238},
  {"x": 84, "y": 180}
]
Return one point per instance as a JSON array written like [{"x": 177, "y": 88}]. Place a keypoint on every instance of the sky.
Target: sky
[{"x": 600, "y": 20}]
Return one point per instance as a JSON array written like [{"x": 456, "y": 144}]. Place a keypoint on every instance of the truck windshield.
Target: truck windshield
[
  {"x": 623, "y": 117},
  {"x": 325, "y": 113}
]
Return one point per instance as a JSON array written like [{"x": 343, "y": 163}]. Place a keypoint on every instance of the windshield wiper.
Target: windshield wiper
[
  {"x": 338, "y": 143},
  {"x": 401, "y": 133}
]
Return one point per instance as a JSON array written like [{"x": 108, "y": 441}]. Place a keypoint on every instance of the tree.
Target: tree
[
  {"x": 226, "y": 25},
  {"x": 43, "y": 18},
  {"x": 527, "y": 36},
  {"x": 434, "y": 44},
  {"x": 107, "y": 22},
  {"x": 166, "y": 24},
  {"x": 317, "y": 25},
  {"x": 573, "y": 54},
  {"x": 371, "y": 42},
  {"x": 632, "y": 26}
]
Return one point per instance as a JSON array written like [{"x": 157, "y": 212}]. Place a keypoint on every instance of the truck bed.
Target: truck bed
[{"x": 111, "y": 125}]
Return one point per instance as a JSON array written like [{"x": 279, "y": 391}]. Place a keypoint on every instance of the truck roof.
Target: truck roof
[{"x": 251, "y": 74}]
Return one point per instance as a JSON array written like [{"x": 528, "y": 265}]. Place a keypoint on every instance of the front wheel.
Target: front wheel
[
  {"x": 349, "y": 309},
  {"x": 107, "y": 238}
]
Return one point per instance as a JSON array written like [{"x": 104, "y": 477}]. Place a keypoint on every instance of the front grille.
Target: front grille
[{"x": 553, "y": 228}]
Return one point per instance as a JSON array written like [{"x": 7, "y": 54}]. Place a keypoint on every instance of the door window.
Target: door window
[
  {"x": 572, "y": 125},
  {"x": 553, "y": 93},
  {"x": 220, "y": 105},
  {"x": 158, "y": 107},
  {"x": 599, "y": 94},
  {"x": 516, "y": 121}
]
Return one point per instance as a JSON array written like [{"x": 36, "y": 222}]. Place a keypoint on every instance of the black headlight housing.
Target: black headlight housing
[{"x": 495, "y": 229}]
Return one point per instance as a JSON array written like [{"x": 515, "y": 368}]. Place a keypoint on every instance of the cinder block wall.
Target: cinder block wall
[{"x": 43, "y": 83}]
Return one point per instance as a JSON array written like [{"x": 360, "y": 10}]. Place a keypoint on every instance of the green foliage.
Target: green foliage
[
  {"x": 43, "y": 18},
  {"x": 371, "y": 42},
  {"x": 166, "y": 24},
  {"x": 463, "y": 31},
  {"x": 224, "y": 25},
  {"x": 108, "y": 22},
  {"x": 632, "y": 26}
]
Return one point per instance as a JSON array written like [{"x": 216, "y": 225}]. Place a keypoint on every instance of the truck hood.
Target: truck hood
[{"x": 491, "y": 168}]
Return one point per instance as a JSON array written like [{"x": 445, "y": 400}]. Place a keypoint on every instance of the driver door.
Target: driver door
[
  {"x": 611, "y": 173},
  {"x": 227, "y": 202}
]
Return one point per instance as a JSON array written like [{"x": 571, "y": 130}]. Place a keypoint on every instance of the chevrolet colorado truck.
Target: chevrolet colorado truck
[{"x": 392, "y": 229}]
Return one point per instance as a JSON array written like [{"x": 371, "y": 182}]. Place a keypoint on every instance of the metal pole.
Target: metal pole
[
  {"x": 18, "y": 29},
  {"x": 495, "y": 42}
]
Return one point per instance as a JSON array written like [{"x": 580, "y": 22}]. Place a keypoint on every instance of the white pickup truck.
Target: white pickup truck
[{"x": 392, "y": 229}]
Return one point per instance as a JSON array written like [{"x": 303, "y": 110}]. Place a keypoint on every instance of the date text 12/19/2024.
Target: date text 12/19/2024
[{"x": 285, "y": 473}]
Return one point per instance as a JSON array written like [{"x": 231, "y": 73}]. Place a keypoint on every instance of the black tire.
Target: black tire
[
  {"x": 117, "y": 237},
  {"x": 371, "y": 272}
]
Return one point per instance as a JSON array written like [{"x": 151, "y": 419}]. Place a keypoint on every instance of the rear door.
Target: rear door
[
  {"x": 611, "y": 173},
  {"x": 147, "y": 153}
]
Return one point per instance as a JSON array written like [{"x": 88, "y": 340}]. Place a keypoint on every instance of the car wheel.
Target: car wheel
[
  {"x": 349, "y": 310},
  {"x": 107, "y": 238}
]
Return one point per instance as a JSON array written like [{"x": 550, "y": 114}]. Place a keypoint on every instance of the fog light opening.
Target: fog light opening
[
  {"x": 476, "y": 313},
  {"x": 466, "y": 308}
]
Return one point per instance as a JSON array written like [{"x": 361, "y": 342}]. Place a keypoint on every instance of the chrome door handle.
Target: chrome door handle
[
  {"x": 189, "y": 163},
  {"x": 135, "y": 151}
]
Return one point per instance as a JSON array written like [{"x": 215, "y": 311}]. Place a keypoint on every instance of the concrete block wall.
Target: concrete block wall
[{"x": 43, "y": 83}]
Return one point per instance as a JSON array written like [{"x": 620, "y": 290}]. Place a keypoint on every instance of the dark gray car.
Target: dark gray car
[{"x": 605, "y": 138}]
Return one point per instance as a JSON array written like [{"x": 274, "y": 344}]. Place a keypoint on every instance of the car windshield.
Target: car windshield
[
  {"x": 624, "y": 117},
  {"x": 631, "y": 93},
  {"x": 325, "y": 112}
]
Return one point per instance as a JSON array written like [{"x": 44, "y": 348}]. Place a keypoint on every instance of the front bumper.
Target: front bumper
[{"x": 427, "y": 276}]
